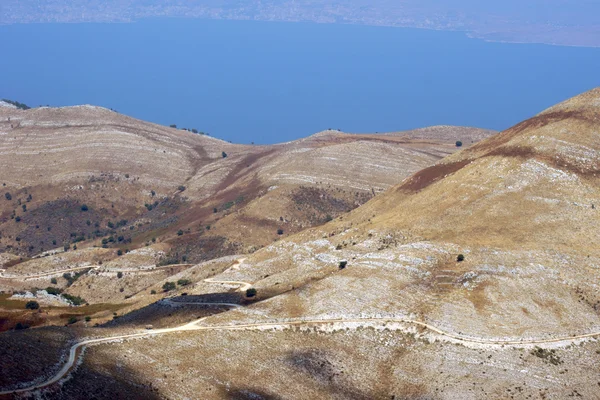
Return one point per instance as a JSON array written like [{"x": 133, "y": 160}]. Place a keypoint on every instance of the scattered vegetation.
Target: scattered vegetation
[
  {"x": 21, "y": 106},
  {"x": 547, "y": 355}
]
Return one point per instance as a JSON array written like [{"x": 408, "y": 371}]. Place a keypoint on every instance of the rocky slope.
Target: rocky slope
[{"x": 406, "y": 317}]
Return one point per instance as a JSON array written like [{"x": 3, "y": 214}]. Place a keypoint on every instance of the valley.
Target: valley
[{"x": 345, "y": 266}]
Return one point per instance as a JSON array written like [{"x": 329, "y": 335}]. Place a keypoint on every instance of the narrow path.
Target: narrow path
[
  {"x": 90, "y": 267},
  {"x": 193, "y": 326}
]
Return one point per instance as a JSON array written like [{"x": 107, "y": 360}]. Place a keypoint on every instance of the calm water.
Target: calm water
[{"x": 269, "y": 82}]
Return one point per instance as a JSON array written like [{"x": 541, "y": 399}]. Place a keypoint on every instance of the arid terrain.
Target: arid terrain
[{"x": 385, "y": 266}]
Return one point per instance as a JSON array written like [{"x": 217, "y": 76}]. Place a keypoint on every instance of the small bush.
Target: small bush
[
  {"x": 32, "y": 305},
  {"x": 458, "y": 143},
  {"x": 343, "y": 264},
  {"x": 8, "y": 196},
  {"x": 18, "y": 219},
  {"x": 460, "y": 258},
  {"x": 168, "y": 286},
  {"x": 179, "y": 232},
  {"x": 184, "y": 282},
  {"x": 181, "y": 188},
  {"x": 119, "y": 274},
  {"x": 223, "y": 154},
  {"x": 53, "y": 281},
  {"x": 53, "y": 290},
  {"x": 21, "y": 326},
  {"x": 75, "y": 300},
  {"x": 280, "y": 231},
  {"x": 153, "y": 291},
  {"x": 84, "y": 208},
  {"x": 119, "y": 252},
  {"x": 251, "y": 292},
  {"x": 72, "y": 320},
  {"x": 88, "y": 318}
]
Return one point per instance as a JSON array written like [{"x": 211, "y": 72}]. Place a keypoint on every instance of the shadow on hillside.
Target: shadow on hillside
[
  {"x": 29, "y": 354},
  {"x": 168, "y": 313},
  {"x": 319, "y": 366}
]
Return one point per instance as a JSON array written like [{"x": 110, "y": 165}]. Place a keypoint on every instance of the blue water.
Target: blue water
[{"x": 268, "y": 82}]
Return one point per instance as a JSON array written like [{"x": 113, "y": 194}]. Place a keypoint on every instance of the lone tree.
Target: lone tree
[
  {"x": 251, "y": 292},
  {"x": 168, "y": 286},
  {"x": 458, "y": 143},
  {"x": 460, "y": 258},
  {"x": 32, "y": 305}
]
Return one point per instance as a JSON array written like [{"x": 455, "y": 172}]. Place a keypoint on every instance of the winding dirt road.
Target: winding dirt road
[{"x": 193, "y": 326}]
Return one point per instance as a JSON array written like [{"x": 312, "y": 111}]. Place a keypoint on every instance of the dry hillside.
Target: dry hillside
[
  {"x": 77, "y": 175},
  {"x": 377, "y": 304}
]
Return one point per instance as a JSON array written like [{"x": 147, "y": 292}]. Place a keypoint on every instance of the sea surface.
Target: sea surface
[{"x": 268, "y": 82}]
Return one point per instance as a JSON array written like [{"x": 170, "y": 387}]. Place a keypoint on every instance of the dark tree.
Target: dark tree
[
  {"x": 460, "y": 258},
  {"x": 32, "y": 305},
  {"x": 458, "y": 143},
  {"x": 168, "y": 286},
  {"x": 251, "y": 292}
]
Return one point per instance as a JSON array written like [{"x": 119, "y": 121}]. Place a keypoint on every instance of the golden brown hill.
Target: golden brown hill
[
  {"x": 509, "y": 321},
  {"x": 77, "y": 175},
  {"x": 377, "y": 304}
]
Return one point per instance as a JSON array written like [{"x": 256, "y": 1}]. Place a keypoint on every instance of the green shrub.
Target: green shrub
[
  {"x": 32, "y": 305},
  {"x": 53, "y": 290},
  {"x": 53, "y": 281},
  {"x": 84, "y": 208},
  {"x": 251, "y": 292},
  {"x": 153, "y": 291},
  {"x": 460, "y": 258},
  {"x": 75, "y": 300},
  {"x": 168, "y": 286},
  {"x": 459, "y": 143},
  {"x": 179, "y": 232},
  {"x": 72, "y": 320},
  {"x": 88, "y": 318},
  {"x": 184, "y": 282}
]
